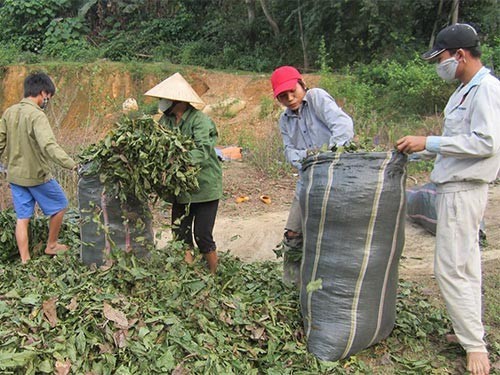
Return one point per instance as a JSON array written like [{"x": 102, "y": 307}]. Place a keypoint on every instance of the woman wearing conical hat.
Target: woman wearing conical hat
[{"x": 197, "y": 210}]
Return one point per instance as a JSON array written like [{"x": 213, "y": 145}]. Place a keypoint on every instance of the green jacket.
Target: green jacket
[
  {"x": 201, "y": 129},
  {"x": 26, "y": 134}
]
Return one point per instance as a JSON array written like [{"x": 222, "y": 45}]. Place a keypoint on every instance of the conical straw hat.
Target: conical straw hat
[{"x": 176, "y": 88}]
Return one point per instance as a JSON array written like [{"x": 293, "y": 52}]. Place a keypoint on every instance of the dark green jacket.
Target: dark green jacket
[
  {"x": 201, "y": 129},
  {"x": 26, "y": 134}
]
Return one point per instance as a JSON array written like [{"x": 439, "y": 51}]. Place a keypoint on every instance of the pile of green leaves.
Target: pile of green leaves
[
  {"x": 164, "y": 316},
  {"x": 140, "y": 159},
  {"x": 161, "y": 315},
  {"x": 149, "y": 317},
  {"x": 360, "y": 144}
]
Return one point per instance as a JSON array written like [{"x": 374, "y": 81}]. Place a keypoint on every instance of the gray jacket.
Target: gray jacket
[{"x": 469, "y": 148}]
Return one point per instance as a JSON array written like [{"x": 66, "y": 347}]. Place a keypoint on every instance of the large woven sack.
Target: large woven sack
[
  {"x": 107, "y": 224},
  {"x": 353, "y": 208},
  {"x": 421, "y": 206}
]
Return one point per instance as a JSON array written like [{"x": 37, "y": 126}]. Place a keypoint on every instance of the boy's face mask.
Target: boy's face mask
[
  {"x": 164, "y": 104},
  {"x": 45, "y": 103}
]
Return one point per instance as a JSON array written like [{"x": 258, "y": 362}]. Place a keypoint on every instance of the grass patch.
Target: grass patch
[{"x": 267, "y": 154}]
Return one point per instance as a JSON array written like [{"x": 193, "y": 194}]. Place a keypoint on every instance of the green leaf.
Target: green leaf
[
  {"x": 81, "y": 343},
  {"x": 314, "y": 285},
  {"x": 166, "y": 361},
  {"x": 12, "y": 294},
  {"x": 46, "y": 367},
  {"x": 12, "y": 359},
  {"x": 31, "y": 299}
]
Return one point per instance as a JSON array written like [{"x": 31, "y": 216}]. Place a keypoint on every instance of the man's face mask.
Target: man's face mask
[
  {"x": 164, "y": 104},
  {"x": 447, "y": 69},
  {"x": 45, "y": 103}
]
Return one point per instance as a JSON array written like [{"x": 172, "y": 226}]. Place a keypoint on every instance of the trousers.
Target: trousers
[
  {"x": 460, "y": 207},
  {"x": 197, "y": 218}
]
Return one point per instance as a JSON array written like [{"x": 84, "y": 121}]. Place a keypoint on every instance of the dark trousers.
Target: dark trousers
[{"x": 201, "y": 216}]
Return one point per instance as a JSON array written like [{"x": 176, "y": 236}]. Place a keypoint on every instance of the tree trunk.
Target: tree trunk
[
  {"x": 269, "y": 18},
  {"x": 250, "y": 11},
  {"x": 454, "y": 12},
  {"x": 252, "y": 35},
  {"x": 434, "y": 28},
  {"x": 302, "y": 38}
]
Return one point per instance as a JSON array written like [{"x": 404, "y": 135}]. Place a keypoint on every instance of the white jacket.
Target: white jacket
[{"x": 469, "y": 148}]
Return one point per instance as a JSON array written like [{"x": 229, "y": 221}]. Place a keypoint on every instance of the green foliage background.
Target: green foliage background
[{"x": 235, "y": 34}]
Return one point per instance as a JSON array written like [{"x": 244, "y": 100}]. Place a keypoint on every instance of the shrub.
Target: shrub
[
  {"x": 416, "y": 88},
  {"x": 65, "y": 39},
  {"x": 491, "y": 56},
  {"x": 357, "y": 98},
  {"x": 200, "y": 52},
  {"x": 389, "y": 99},
  {"x": 9, "y": 54},
  {"x": 25, "y": 22},
  {"x": 390, "y": 87}
]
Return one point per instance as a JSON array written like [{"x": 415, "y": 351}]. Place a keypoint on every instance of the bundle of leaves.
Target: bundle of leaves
[
  {"x": 358, "y": 144},
  {"x": 37, "y": 233},
  {"x": 139, "y": 158}
]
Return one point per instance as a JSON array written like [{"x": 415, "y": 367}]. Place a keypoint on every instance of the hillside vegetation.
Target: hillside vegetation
[{"x": 250, "y": 35}]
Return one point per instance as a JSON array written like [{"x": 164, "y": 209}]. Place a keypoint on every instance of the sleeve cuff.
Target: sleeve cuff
[
  {"x": 433, "y": 144},
  {"x": 302, "y": 154}
]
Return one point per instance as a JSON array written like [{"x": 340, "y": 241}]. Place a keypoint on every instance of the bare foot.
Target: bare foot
[
  {"x": 55, "y": 249},
  {"x": 478, "y": 363},
  {"x": 212, "y": 261},
  {"x": 25, "y": 261},
  {"x": 188, "y": 257}
]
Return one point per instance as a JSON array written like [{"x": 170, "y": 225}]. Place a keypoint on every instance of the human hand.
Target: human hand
[
  {"x": 319, "y": 150},
  {"x": 312, "y": 151},
  {"x": 411, "y": 143}
]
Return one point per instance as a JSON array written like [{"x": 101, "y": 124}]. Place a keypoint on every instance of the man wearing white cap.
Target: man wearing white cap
[
  {"x": 467, "y": 159},
  {"x": 197, "y": 210}
]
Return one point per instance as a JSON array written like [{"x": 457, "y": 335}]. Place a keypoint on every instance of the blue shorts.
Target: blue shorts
[{"x": 49, "y": 196}]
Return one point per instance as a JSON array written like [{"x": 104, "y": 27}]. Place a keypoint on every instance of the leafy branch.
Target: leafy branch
[{"x": 140, "y": 160}]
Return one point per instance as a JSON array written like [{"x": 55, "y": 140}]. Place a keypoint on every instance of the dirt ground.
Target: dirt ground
[{"x": 252, "y": 229}]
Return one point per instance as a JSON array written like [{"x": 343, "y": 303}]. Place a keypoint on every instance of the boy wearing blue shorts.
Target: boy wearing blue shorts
[{"x": 27, "y": 138}]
